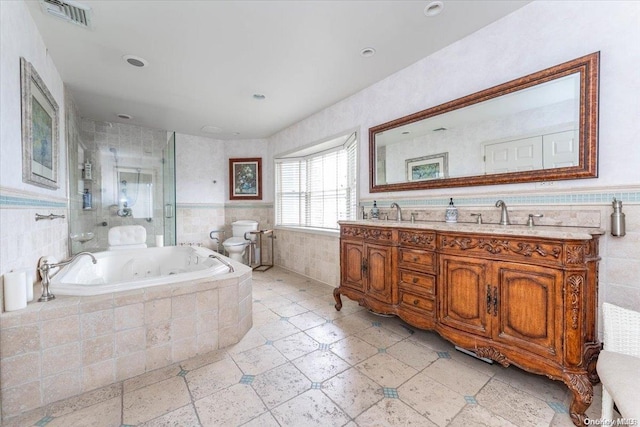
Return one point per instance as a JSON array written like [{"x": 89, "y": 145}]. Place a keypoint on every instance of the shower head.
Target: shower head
[{"x": 115, "y": 153}]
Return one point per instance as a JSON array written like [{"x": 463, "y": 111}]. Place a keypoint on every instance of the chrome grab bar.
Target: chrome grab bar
[
  {"x": 225, "y": 262},
  {"x": 50, "y": 216}
]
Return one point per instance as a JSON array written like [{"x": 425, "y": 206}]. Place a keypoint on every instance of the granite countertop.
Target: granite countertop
[{"x": 553, "y": 232}]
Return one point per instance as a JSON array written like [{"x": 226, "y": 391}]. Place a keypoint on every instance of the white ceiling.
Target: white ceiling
[{"x": 208, "y": 58}]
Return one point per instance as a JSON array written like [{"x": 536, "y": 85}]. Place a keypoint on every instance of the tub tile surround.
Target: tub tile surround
[
  {"x": 288, "y": 370},
  {"x": 71, "y": 345}
]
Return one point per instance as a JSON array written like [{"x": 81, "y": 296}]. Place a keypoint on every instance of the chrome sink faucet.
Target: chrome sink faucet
[
  {"x": 504, "y": 215},
  {"x": 398, "y": 211},
  {"x": 45, "y": 269}
]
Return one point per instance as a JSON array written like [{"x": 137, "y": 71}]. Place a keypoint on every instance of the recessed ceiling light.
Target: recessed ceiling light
[
  {"x": 433, "y": 8},
  {"x": 136, "y": 61},
  {"x": 367, "y": 52},
  {"x": 211, "y": 129},
  {"x": 124, "y": 116},
  {"x": 259, "y": 96}
]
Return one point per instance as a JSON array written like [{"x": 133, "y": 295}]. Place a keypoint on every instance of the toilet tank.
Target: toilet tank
[{"x": 242, "y": 226}]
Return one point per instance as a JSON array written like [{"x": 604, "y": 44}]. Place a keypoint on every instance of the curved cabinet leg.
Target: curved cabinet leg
[
  {"x": 591, "y": 352},
  {"x": 582, "y": 391},
  {"x": 336, "y": 296}
]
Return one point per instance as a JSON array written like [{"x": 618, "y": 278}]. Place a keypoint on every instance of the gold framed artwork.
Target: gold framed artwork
[{"x": 40, "y": 130}]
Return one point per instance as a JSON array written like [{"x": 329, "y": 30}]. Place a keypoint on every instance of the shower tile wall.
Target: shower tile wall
[
  {"x": 134, "y": 147},
  {"x": 194, "y": 223}
]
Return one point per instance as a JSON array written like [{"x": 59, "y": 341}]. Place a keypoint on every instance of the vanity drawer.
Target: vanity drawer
[
  {"x": 422, "y": 283},
  {"x": 417, "y": 302},
  {"x": 417, "y": 259}
]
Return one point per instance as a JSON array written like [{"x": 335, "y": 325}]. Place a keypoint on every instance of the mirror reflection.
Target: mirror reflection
[{"x": 539, "y": 127}]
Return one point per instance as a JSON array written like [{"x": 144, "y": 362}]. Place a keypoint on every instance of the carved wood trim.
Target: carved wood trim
[
  {"x": 368, "y": 233},
  {"x": 575, "y": 254},
  {"x": 575, "y": 288},
  {"x": 493, "y": 354},
  {"x": 582, "y": 391},
  {"x": 496, "y": 246},
  {"x": 422, "y": 239}
]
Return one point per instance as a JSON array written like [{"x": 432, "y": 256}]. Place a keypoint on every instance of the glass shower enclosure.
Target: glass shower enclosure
[{"x": 120, "y": 175}]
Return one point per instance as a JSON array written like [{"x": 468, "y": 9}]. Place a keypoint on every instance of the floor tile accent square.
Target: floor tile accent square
[
  {"x": 382, "y": 350},
  {"x": 471, "y": 400},
  {"x": 376, "y": 324},
  {"x": 44, "y": 421},
  {"x": 247, "y": 379},
  {"x": 390, "y": 393},
  {"x": 268, "y": 342},
  {"x": 559, "y": 408},
  {"x": 444, "y": 355},
  {"x": 324, "y": 347},
  {"x": 316, "y": 386},
  {"x": 182, "y": 373}
]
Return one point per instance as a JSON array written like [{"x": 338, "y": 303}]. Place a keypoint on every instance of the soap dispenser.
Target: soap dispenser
[
  {"x": 86, "y": 200},
  {"x": 451, "y": 214},
  {"x": 617, "y": 219},
  {"x": 375, "y": 212}
]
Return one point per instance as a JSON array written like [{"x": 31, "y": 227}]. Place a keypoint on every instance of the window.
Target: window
[{"x": 316, "y": 186}]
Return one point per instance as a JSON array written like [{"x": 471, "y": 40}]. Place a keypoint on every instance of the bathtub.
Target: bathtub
[
  {"x": 131, "y": 313},
  {"x": 131, "y": 269}
]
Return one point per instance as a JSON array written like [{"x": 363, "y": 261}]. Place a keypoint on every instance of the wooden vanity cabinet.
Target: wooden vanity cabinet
[
  {"x": 417, "y": 267},
  {"x": 369, "y": 273},
  {"x": 510, "y": 303},
  {"x": 524, "y": 300}
]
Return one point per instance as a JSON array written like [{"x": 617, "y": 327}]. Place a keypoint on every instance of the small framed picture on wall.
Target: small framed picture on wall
[{"x": 245, "y": 179}]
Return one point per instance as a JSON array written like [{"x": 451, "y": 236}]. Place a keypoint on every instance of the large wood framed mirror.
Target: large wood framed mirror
[{"x": 541, "y": 127}]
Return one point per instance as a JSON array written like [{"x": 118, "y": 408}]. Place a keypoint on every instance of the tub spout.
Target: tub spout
[{"x": 45, "y": 270}]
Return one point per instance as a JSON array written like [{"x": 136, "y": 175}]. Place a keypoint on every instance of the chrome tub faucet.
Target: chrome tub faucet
[{"x": 45, "y": 269}]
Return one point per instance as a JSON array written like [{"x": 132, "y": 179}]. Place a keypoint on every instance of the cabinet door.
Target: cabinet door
[
  {"x": 379, "y": 273},
  {"x": 462, "y": 295},
  {"x": 351, "y": 269},
  {"x": 529, "y": 308}
]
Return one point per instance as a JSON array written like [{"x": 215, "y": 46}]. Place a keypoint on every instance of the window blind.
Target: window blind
[{"x": 319, "y": 189}]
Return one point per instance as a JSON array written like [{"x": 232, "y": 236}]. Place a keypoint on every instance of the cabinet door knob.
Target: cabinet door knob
[
  {"x": 416, "y": 301},
  {"x": 415, "y": 259},
  {"x": 415, "y": 280}
]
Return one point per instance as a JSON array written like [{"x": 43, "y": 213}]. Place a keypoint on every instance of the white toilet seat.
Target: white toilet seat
[{"x": 235, "y": 241}]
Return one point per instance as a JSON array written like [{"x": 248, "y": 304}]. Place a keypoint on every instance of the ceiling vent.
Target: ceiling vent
[{"x": 68, "y": 10}]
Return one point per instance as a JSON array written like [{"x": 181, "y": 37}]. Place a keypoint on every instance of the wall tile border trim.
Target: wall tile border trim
[
  {"x": 627, "y": 197},
  {"x": 224, "y": 205},
  {"x": 22, "y": 202}
]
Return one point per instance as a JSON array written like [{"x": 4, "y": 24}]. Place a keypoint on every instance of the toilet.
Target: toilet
[{"x": 236, "y": 245}]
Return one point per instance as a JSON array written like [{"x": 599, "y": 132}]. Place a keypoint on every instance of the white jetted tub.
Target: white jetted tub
[{"x": 125, "y": 270}]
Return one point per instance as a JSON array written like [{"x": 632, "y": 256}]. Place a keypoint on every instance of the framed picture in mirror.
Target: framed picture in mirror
[{"x": 427, "y": 167}]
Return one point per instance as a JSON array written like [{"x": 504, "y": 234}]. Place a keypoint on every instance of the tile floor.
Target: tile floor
[{"x": 305, "y": 364}]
